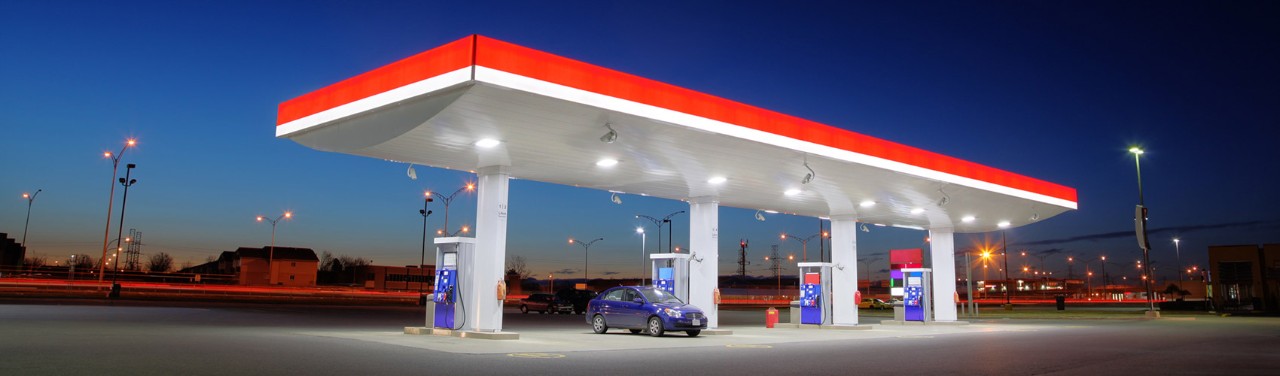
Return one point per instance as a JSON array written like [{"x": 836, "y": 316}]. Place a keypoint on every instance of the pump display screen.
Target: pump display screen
[{"x": 450, "y": 259}]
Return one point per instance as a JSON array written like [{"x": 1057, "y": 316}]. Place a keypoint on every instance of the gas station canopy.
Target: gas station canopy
[{"x": 562, "y": 121}]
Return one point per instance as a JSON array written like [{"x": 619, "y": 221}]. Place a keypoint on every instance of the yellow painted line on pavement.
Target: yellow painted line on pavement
[
  {"x": 536, "y": 355},
  {"x": 749, "y": 346}
]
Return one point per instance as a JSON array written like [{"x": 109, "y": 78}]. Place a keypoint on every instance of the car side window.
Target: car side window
[
  {"x": 631, "y": 295},
  {"x": 615, "y": 295}
]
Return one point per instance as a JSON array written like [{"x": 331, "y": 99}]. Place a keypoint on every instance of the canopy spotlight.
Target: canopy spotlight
[
  {"x": 413, "y": 175},
  {"x": 759, "y": 215},
  {"x": 615, "y": 198}
]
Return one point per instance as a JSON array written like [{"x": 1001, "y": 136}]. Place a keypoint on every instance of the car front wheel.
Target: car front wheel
[
  {"x": 693, "y": 333},
  {"x": 597, "y": 324},
  {"x": 655, "y": 327}
]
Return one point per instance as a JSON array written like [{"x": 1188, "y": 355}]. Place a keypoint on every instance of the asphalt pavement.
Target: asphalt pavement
[{"x": 153, "y": 338}]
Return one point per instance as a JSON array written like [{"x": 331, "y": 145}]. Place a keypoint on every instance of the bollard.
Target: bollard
[{"x": 770, "y": 317}]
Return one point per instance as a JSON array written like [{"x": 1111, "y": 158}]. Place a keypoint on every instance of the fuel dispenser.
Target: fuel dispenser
[
  {"x": 815, "y": 292},
  {"x": 917, "y": 291},
  {"x": 454, "y": 259},
  {"x": 671, "y": 273}
]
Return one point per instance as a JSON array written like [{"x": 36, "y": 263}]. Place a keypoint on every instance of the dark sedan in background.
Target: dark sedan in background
[{"x": 643, "y": 309}]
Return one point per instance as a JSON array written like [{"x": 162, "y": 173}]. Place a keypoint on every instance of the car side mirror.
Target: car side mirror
[{"x": 638, "y": 300}]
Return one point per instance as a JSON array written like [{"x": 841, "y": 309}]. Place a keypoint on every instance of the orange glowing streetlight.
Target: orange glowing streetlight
[
  {"x": 271, "y": 278},
  {"x": 111, "y": 197},
  {"x": 31, "y": 198},
  {"x": 469, "y": 187}
]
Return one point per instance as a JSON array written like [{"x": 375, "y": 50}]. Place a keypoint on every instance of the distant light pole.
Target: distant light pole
[
  {"x": 658, "y": 223},
  {"x": 271, "y": 254},
  {"x": 640, "y": 230},
  {"x": 422, "y": 272},
  {"x": 804, "y": 243},
  {"x": 464, "y": 229},
  {"x": 1004, "y": 243},
  {"x": 30, "y": 199},
  {"x": 449, "y": 199},
  {"x": 1106, "y": 278},
  {"x": 586, "y": 248},
  {"x": 552, "y": 287},
  {"x": 1178, "y": 251},
  {"x": 1146, "y": 246},
  {"x": 111, "y": 198},
  {"x": 127, "y": 182}
]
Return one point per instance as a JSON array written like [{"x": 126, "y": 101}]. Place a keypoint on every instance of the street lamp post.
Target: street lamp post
[
  {"x": 640, "y": 230},
  {"x": 111, "y": 198},
  {"x": 449, "y": 199},
  {"x": 30, "y": 199},
  {"x": 658, "y": 223},
  {"x": 1146, "y": 246},
  {"x": 586, "y": 247},
  {"x": 127, "y": 182},
  {"x": 1004, "y": 244},
  {"x": 1178, "y": 251},
  {"x": 1106, "y": 278},
  {"x": 804, "y": 243},
  {"x": 271, "y": 254},
  {"x": 422, "y": 260}
]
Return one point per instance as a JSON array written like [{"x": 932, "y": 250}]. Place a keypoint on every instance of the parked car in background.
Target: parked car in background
[
  {"x": 643, "y": 309},
  {"x": 873, "y": 303},
  {"x": 537, "y": 302},
  {"x": 573, "y": 300}
]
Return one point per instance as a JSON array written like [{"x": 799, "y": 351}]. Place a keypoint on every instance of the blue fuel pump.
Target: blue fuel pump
[
  {"x": 454, "y": 261},
  {"x": 670, "y": 272},
  {"x": 916, "y": 292},
  {"x": 815, "y": 292}
]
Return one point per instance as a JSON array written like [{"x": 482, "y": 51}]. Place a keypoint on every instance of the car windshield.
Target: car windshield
[{"x": 659, "y": 296}]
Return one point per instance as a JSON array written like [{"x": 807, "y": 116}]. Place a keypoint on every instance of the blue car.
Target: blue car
[{"x": 643, "y": 308}]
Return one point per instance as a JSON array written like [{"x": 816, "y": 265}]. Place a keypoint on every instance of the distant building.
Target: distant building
[
  {"x": 1245, "y": 277},
  {"x": 396, "y": 278},
  {"x": 293, "y": 266},
  {"x": 12, "y": 254}
]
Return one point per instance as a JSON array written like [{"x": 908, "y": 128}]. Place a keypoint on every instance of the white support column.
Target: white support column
[
  {"x": 844, "y": 273},
  {"x": 704, "y": 273},
  {"x": 942, "y": 250},
  {"x": 491, "y": 249}
]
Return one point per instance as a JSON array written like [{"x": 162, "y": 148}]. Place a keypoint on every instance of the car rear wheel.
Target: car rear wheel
[
  {"x": 655, "y": 327},
  {"x": 524, "y": 308},
  {"x": 693, "y": 333},
  {"x": 597, "y": 324}
]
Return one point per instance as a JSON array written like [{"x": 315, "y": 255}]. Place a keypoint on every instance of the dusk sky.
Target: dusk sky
[{"x": 1049, "y": 89}]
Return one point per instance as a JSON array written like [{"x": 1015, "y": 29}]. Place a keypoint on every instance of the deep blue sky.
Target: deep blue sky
[{"x": 1053, "y": 90}]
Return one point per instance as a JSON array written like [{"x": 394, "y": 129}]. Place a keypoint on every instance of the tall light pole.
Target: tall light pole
[
  {"x": 1178, "y": 251},
  {"x": 422, "y": 273},
  {"x": 31, "y": 197},
  {"x": 111, "y": 198},
  {"x": 1004, "y": 244},
  {"x": 1106, "y": 278},
  {"x": 127, "y": 182},
  {"x": 640, "y": 230},
  {"x": 658, "y": 223},
  {"x": 804, "y": 243},
  {"x": 449, "y": 199},
  {"x": 1142, "y": 218},
  {"x": 586, "y": 248},
  {"x": 271, "y": 254}
]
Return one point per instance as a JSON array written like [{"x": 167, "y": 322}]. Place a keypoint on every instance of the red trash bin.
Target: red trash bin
[{"x": 770, "y": 317}]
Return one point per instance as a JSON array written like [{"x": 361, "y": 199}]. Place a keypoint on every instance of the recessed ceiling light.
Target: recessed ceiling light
[
  {"x": 968, "y": 218},
  {"x": 917, "y": 210},
  {"x": 791, "y": 192},
  {"x": 771, "y": 211},
  {"x": 717, "y": 180},
  {"x": 487, "y": 143},
  {"x": 607, "y": 162},
  {"x": 1003, "y": 224},
  {"x": 867, "y": 203}
]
